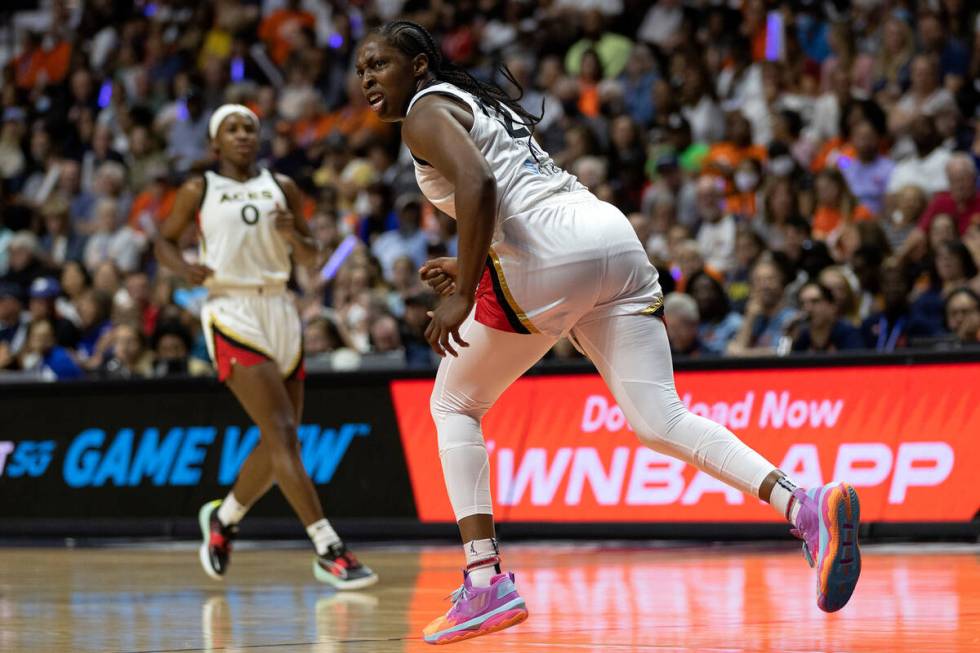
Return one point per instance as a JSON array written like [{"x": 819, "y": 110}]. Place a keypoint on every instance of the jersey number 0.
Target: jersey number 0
[{"x": 250, "y": 214}]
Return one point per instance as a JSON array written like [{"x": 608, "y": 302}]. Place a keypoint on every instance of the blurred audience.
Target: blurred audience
[{"x": 817, "y": 196}]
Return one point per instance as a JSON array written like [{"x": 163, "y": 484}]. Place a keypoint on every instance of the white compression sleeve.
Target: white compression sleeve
[
  {"x": 465, "y": 389},
  {"x": 633, "y": 355}
]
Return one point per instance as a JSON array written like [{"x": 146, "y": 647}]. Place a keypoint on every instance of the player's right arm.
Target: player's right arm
[{"x": 165, "y": 247}]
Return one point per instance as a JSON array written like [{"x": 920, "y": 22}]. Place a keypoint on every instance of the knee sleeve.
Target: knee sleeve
[
  {"x": 663, "y": 423},
  {"x": 653, "y": 410},
  {"x": 465, "y": 389},
  {"x": 463, "y": 452},
  {"x": 633, "y": 355},
  {"x": 457, "y": 418}
]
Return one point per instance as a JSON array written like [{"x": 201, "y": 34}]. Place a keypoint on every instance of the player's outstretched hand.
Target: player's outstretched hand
[
  {"x": 443, "y": 329},
  {"x": 440, "y": 274},
  {"x": 195, "y": 274}
]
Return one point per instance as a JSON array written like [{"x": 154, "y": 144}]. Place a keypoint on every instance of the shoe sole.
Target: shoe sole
[
  {"x": 340, "y": 584},
  {"x": 203, "y": 519},
  {"x": 839, "y": 570},
  {"x": 510, "y": 617}
]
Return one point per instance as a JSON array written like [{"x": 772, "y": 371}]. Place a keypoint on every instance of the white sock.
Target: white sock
[
  {"x": 323, "y": 535},
  {"x": 230, "y": 512},
  {"x": 482, "y": 561},
  {"x": 782, "y": 499}
]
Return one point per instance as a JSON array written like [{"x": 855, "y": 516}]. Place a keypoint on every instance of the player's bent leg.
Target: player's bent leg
[
  {"x": 219, "y": 519},
  {"x": 633, "y": 355},
  {"x": 466, "y": 387},
  {"x": 264, "y": 395},
  {"x": 260, "y": 390}
]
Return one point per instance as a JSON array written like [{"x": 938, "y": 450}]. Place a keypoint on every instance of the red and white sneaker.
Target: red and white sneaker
[
  {"x": 215, "y": 551},
  {"x": 341, "y": 569}
]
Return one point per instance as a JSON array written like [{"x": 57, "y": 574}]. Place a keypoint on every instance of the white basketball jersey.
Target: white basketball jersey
[
  {"x": 238, "y": 235},
  {"x": 525, "y": 174}
]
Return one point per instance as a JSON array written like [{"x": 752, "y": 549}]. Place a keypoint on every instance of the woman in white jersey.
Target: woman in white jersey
[
  {"x": 249, "y": 227},
  {"x": 540, "y": 257}
]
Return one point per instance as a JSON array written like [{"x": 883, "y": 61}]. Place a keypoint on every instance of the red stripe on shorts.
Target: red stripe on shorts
[
  {"x": 227, "y": 353},
  {"x": 299, "y": 372},
  {"x": 489, "y": 310}
]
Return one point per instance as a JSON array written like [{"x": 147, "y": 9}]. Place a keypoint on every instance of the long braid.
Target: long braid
[{"x": 412, "y": 39}]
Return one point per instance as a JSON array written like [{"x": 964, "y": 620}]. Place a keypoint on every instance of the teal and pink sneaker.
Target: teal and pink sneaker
[
  {"x": 478, "y": 611},
  {"x": 828, "y": 525}
]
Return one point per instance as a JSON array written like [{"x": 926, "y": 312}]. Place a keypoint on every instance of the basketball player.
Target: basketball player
[
  {"x": 540, "y": 257},
  {"x": 250, "y": 226}
]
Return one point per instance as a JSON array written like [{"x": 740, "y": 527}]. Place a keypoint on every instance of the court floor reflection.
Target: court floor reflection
[{"x": 581, "y": 598}]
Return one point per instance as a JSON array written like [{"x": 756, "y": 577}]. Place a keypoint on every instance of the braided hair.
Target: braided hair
[{"x": 413, "y": 39}]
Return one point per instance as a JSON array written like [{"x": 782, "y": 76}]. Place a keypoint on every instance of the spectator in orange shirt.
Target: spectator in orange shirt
[
  {"x": 153, "y": 204},
  {"x": 836, "y": 206},
  {"x": 40, "y": 63},
  {"x": 724, "y": 157},
  {"x": 841, "y": 147},
  {"x": 28, "y": 64},
  {"x": 355, "y": 120},
  {"x": 313, "y": 124},
  {"x": 754, "y": 27},
  {"x": 588, "y": 83},
  {"x": 278, "y": 29},
  {"x": 744, "y": 200}
]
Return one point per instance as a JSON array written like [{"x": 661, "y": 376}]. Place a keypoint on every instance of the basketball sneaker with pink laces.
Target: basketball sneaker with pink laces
[
  {"x": 478, "y": 611},
  {"x": 828, "y": 523}
]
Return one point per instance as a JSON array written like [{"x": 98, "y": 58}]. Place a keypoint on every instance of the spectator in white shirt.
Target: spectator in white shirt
[
  {"x": 925, "y": 95},
  {"x": 716, "y": 235},
  {"x": 407, "y": 240},
  {"x": 927, "y": 167},
  {"x": 123, "y": 246},
  {"x": 699, "y": 107}
]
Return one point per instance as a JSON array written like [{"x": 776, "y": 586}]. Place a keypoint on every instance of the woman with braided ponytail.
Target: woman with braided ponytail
[{"x": 540, "y": 257}]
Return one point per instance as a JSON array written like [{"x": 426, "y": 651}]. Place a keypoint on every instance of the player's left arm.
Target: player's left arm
[
  {"x": 291, "y": 225},
  {"x": 433, "y": 132}
]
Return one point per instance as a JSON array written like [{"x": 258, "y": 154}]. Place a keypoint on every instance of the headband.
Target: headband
[{"x": 226, "y": 110}]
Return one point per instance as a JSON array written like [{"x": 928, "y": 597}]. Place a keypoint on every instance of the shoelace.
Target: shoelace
[
  {"x": 456, "y": 597},
  {"x": 350, "y": 560},
  {"x": 458, "y": 594},
  {"x": 346, "y": 560},
  {"x": 806, "y": 503}
]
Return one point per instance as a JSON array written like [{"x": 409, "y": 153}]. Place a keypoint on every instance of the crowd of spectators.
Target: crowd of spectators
[{"x": 802, "y": 173}]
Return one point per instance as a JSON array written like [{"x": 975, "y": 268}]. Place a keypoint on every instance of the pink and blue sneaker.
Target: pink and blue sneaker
[
  {"x": 828, "y": 525},
  {"x": 478, "y": 611}
]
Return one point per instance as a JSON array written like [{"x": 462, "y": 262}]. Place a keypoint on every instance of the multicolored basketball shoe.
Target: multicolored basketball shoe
[
  {"x": 478, "y": 611},
  {"x": 215, "y": 551},
  {"x": 828, "y": 524},
  {"x": 341, "y": 569}
]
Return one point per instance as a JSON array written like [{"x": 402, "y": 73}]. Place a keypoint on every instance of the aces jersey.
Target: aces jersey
[
  {"x": 238, "y": 238},
  {"x": 524, "y": 173},
  {"x": 558, "y": 257}
]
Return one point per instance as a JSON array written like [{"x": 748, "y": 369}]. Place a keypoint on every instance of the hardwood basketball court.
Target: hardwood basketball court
[{"x": 582, "y": 597}]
